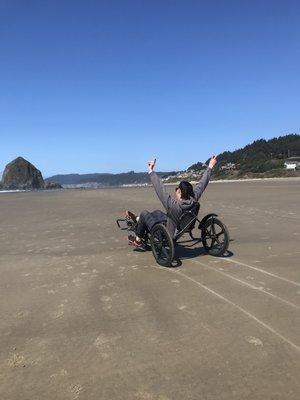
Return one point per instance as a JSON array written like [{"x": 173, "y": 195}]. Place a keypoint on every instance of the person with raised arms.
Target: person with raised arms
[{"x": 186, "y": 199}]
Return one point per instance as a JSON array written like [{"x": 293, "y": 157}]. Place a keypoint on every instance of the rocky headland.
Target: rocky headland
[{"x": 20, "y": 174}]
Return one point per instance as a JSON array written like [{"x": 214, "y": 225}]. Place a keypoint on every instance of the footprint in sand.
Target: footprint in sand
[
  {"x": 255, "y": 341},
  {"x": 63, "y": 372},
  {"x": 104, "y": 344},
  {"x": 59, "y": 313},
  {"x": 75, "y": 390},
  {"x": 21, "y": 314},
  {"x": 16, "y": 360}
]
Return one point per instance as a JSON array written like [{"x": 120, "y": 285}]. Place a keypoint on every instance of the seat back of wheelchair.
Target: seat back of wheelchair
[{"x": 187, "y": 221}]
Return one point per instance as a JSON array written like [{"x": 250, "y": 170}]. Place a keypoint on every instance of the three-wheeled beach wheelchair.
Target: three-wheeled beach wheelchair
[{"x": 214, "y": 235}]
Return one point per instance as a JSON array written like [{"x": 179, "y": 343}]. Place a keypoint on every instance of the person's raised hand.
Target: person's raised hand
[
  {"x": 213, "y": 161},
  {"x": 151, "y": 165}
]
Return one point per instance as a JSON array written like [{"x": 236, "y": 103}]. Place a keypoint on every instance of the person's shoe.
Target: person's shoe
[
  {"x": 138, "y": 244},
  {"x": 130, "y": 215},
  {"x": 131, "y": 239}
]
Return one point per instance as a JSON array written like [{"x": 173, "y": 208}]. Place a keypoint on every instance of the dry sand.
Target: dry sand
[{"x": 83, "y": 316}]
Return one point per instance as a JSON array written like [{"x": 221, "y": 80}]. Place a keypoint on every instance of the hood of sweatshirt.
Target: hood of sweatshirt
[{"x": 187, "y": 205}]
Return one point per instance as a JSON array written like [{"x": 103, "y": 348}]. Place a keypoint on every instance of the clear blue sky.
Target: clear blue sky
[{"x": 100, "y": 86}]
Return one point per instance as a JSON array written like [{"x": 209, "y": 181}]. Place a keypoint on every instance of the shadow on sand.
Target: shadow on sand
[{"x": 188, "y": 249}]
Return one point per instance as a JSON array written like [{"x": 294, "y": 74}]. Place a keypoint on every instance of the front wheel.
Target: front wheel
[
  {"x": 215, "y": 237},
  {"x": 162, "y": 245}
]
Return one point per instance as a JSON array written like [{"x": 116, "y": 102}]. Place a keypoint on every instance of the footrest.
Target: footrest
[
  {"x": 125, "y": 224},
  {"x": 122, "y": 224}
]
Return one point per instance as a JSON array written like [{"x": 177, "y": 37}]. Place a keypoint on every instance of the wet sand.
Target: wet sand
[{"x": 83, "y": 316}]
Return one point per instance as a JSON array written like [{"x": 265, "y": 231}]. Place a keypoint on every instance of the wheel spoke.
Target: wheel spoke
[
  {"x": 207, "y": 234},
  {"x": 165, "y": 252},
  {"x": 217, "y": 240},
  {"x": 157, "y": 241},
  {"x": 212, "y": 242},
  {"x": 213, "y": 231}
]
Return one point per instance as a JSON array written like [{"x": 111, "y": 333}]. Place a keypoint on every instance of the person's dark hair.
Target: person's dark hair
[{"x": 186, "y": 190}]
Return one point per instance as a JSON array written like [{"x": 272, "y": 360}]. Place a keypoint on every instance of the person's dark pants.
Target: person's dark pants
[{"x": 147, "y": 220}]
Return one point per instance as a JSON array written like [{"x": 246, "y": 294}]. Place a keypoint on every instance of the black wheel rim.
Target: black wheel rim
[
  {"x": 215, "y": 236},
  {"x": 161, "y": 245}
]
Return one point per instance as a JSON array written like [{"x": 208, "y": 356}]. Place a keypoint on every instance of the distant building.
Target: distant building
[
  {"x": 184, "y": 175},
  {"x": 228, "y": 167},
  {"x": 292, "y": 163}
]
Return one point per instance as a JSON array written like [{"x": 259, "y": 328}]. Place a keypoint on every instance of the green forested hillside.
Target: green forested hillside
[
  {"x": 105, "y": 179},
  {"x": 260, "y": 156}
]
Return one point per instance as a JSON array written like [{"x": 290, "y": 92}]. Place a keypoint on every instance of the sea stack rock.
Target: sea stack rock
[{"x": 21, "y": 174}]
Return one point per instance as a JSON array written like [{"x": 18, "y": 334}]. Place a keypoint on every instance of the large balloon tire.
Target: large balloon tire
[
  {"x": 162, "y": 245},
  {"x": 215, "y": 237}
]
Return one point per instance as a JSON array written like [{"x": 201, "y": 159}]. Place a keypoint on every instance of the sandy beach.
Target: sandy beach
[{"x": 83, "y": 316}]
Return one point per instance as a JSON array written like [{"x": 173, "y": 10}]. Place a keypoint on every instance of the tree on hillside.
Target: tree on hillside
[{"x": 261, "y": 155}]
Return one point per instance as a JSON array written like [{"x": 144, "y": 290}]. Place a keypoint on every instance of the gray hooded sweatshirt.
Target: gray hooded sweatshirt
[{"x": 176, "y": 208}]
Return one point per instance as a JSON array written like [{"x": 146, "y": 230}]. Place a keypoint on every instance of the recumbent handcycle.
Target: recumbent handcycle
[{"x": 214, "y": 235}]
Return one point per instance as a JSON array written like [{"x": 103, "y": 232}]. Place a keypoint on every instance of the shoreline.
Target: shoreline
[
  {"x": 286, "y": 178},
  {"x": 279, "y": 179}
]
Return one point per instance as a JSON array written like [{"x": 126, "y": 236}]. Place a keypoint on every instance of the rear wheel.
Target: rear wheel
[
  {"x": 215, "y": 237},
  {"x": 162, "y": 245}
]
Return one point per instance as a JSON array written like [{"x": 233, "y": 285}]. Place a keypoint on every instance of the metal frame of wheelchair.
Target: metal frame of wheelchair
[{"x": 214, "y": 235}]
